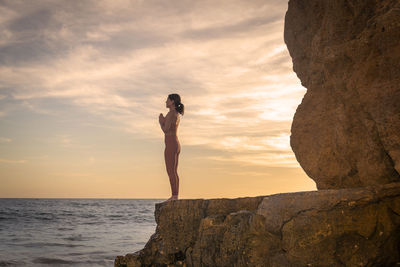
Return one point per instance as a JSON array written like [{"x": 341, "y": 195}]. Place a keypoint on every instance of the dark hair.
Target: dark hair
[{"x": 177, "y": 101}]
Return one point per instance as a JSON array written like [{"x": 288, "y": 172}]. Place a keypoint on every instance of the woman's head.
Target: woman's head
[{"x": 177, "y": 102}]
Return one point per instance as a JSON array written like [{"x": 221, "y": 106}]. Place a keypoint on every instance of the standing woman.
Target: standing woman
[{"x": 169, "y": 125}]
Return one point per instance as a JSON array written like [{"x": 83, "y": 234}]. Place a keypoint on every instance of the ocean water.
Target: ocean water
[{"x": 73, "y": 232}]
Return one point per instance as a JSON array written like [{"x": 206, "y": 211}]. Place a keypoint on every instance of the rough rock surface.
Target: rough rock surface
[
  {"x": 333, "y": 227},
  {"x": 346, "y": 131}
]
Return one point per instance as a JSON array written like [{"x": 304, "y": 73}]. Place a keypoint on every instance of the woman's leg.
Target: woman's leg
[
  {"x": 170, "y": 163},
  {"x": 176, "y": 169}
]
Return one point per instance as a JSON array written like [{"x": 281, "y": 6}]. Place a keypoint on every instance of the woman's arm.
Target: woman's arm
[{"x": 169, "y": 119}]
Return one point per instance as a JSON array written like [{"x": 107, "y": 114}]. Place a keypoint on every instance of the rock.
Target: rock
[
  {"x": 334, "y": 227},
  {"x": 131, "y": 259},
  {"x": 346, "y": 131}
]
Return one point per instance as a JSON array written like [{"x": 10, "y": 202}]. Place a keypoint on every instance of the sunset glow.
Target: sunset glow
[{"x": 83, "y": 82}]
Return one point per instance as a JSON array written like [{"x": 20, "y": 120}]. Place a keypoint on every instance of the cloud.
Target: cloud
[
  {"x": 3, "y": 160},
  {"x": 266, "y": 159},
  {"x": 69, "y": 141},
  {"x": 5, "y": 140},
  {"x": 237, "y": 29},
  {"x": 71, "y": 174},
  {"x": 119, "y": 60}
]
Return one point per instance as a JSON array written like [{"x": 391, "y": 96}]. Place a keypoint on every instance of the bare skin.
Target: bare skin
[{"x": 169, "y": 125}]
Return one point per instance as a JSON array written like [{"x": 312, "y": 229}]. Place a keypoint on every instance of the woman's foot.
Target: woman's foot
[{"x": 173, "y": 197}]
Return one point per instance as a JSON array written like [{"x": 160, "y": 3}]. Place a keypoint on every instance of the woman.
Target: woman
[{"x": 169, "y": 125}]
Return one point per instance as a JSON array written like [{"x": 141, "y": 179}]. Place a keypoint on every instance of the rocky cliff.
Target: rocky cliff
[
  {"x": 346, "y": 136},
  {"x": 344, "y": 227},
  {"x": 346, "y": 131}
]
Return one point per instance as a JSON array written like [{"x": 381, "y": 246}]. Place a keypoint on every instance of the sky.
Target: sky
[{"x": 82, "y": 84}]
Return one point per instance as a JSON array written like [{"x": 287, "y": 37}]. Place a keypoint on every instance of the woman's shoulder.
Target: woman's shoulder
[{"x": 173, "y": 114}]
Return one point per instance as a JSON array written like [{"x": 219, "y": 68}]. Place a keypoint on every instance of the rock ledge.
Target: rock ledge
[{"x": 334, "y": 227}]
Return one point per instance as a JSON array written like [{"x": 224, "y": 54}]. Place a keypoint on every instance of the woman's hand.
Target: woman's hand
[{"x": 161, "y": 118}]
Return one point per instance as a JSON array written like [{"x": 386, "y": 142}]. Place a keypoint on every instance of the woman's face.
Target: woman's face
[{"x": 169, "y": 102}]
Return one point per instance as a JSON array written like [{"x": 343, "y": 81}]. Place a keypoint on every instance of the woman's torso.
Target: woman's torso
[{"x": 172, "y": 131}]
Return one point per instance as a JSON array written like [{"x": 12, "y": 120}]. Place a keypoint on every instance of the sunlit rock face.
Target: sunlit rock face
[
  {"x": 346, "y": 131},
  {"x": 335, "y": 227}
]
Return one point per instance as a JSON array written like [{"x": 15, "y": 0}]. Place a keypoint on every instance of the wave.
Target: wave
[
  {"x": 76, "y": 238},
  {"x": 59, "y": 261},
  {"x": 44, "y": 260},
  {"x": 44, "y": 244},
  {"x": 65, "y": 228},
  {"x": 77, "y": 233},
  {"x": 11, "y": 263}
]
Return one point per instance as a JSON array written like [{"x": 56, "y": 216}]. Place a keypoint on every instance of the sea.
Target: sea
[{"x": 73, "y": 232}]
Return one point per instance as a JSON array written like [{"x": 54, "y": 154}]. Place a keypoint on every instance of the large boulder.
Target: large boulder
[{"x": 346, "y": 131}]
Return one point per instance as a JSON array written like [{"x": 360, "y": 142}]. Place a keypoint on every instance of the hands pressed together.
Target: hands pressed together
[{"x": 161, "y": 119}]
